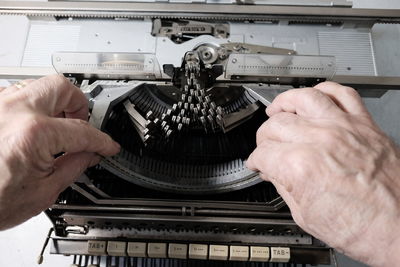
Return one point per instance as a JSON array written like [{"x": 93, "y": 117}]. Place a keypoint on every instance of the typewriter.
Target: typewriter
[{"x": 183, "y": 86}]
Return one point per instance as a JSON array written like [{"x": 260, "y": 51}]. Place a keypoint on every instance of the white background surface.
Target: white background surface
[{"x": 21, "y": 245}]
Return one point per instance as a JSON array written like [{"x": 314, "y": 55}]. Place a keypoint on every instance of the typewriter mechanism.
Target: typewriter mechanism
[{"x": 183, "y": 88}]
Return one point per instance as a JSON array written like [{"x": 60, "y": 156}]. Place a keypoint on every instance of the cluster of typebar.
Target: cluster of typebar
[
  {"x": 189, "y": 251},
  {"x": 195, "y": 105}
]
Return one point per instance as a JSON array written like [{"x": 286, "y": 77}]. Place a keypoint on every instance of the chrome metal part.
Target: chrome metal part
[
  {"x": 218, "y": 53},
  {"x": 212, "y": 236},
  {"x": 265, "y": 93},
  {"x": 137, "y": 120},
  {"x": 134, "y": 204},
  {"x": 17, "y": 73},
  {"x": 106, "y": 100},
  {"x": 232, "y": 120},
  {"x": 118, "y": 66},
  {"x": 198, "y": 11},
  {"x": 209, "y": 53},
  {"x": 286, "y": 69},
  {"x": 243, "y": 48},
  {"x": 341, "y": 3},
  {"x": 364, "y": 83}
]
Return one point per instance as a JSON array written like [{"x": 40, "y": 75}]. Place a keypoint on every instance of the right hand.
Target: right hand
[
  {"x": 46, "y": 117},
  {"x": 337, "y": 171}
]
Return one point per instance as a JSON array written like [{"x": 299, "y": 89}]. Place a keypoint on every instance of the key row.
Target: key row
[{"x": 189, "y": 251}]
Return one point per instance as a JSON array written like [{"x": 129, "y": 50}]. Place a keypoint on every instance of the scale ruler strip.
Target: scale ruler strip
[{"x": 198, "y": 11}]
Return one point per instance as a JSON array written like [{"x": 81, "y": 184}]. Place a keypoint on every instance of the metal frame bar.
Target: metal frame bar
[
  {"x": 336, "y": 3},
  {"x": 199, "y": 11},
  {"x": 359, "y": 82},
  {"x": 274, "y": 205}
]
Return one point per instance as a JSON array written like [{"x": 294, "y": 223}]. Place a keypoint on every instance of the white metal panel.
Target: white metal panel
[
  {"x": 13, "y": 32},
  {"x": 43, "y": 40}
]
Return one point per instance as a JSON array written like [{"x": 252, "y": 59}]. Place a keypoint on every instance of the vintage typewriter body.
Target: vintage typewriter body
[{"x": 183, "y": 88}]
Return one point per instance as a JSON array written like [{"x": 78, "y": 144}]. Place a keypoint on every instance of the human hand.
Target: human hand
[
  {"x": 336, "y": 170},
  {"x": 44, "y": 118}
]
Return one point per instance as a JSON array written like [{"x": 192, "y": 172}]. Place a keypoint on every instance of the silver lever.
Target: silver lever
[
  {"x": 265, "y": 95},
  {"x": 40, "y": 258}
]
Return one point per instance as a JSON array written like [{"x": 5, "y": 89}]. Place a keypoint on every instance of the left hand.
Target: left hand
[{"x": 38, "y": 120}]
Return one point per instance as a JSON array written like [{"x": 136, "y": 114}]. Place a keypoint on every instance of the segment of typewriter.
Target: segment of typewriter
[
  {"x": 183, "y": 89},
  {"x": 179, "y": 189}
]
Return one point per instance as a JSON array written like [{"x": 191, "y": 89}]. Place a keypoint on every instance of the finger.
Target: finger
[
  {"x": 288, "y": 198},
  {"x": 54, "y": 95},
  {"x": 70, "y": 166},
  {"x": 345, "y": 97},
  {"x": 2, "y": 89},
  {"x": 286, "y": 127},
  {"x": 305, "y": 102},
  {"x": 73, "y": 135},
  {"x": 269, "y": 159}
]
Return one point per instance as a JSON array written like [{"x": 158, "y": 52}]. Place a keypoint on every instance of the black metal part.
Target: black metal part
[
  {"x": 208, "y": 75},
  {"x": 180, "y": 31}
]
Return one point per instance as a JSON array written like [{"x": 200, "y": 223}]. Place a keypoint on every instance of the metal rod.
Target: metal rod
[
  {"x": 369, "y": 82},
  {"x": 40, "y": 258},
  {"x": 170, "y": 10}
]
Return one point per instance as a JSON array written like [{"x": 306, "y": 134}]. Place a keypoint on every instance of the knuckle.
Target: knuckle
[
  {"x": 82, "y": 123},
  {"x": 326, "y": 84},
  {"x": 276, "y": 121},
  {"x": 350, "y": 92},
  {"x": 270, "y": 126},
  {"x": 34, "y": 126},
  {"x": 88, "y": 134},
  {"x": 260, "y": 132},
  {"x": 281, "y": 118},
  {"x": 57, "y": 81},
  {"x": 312, "y": 95},
  {"x": 30, "y": 136}
]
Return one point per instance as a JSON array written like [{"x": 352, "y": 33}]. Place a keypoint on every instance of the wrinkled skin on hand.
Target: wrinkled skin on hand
[
  {"x": 46, "y": 117},
  {"x": 336, "y": 170}
]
